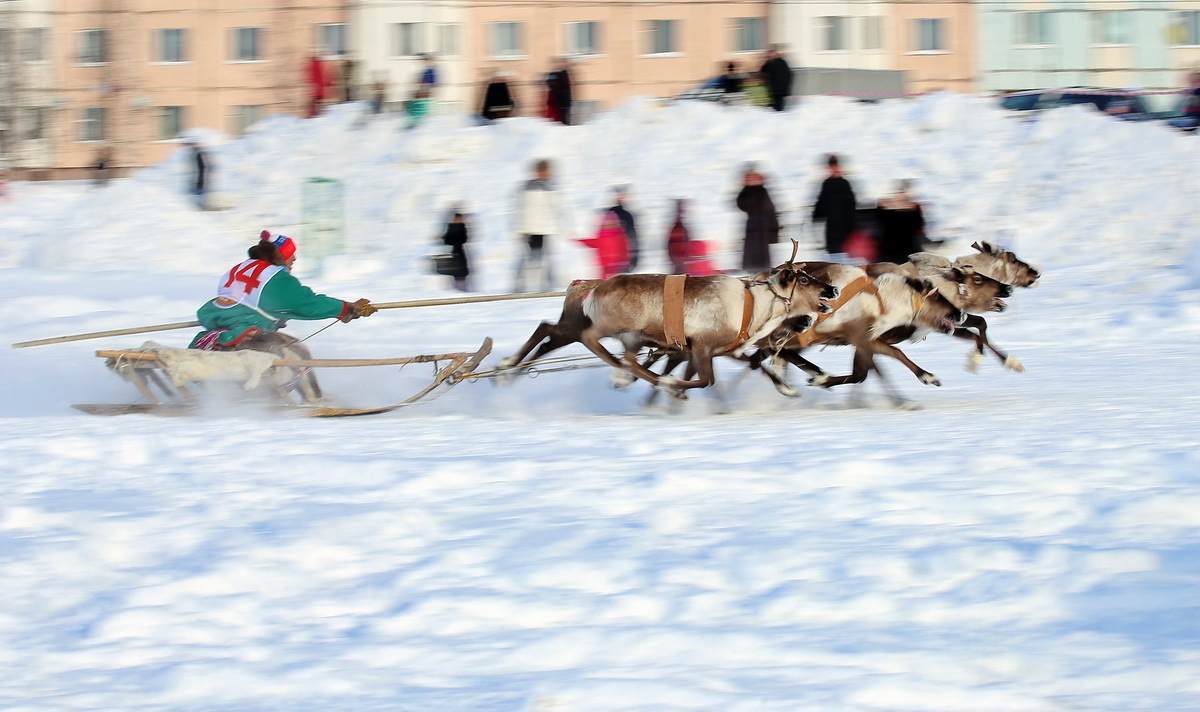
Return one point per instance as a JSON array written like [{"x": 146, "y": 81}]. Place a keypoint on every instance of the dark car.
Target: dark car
[{"x": 1115, "y": 102}]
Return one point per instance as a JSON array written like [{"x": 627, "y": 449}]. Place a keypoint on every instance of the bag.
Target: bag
[{"x": 445, "y": 264}]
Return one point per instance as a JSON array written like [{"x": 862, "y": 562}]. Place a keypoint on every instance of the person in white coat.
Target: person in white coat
[{"x": 539, "y": 216}]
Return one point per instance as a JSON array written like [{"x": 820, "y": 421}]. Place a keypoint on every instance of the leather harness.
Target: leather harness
[
  {"x": 862, "y": 284},
  {"x": 673, "y": 302}
]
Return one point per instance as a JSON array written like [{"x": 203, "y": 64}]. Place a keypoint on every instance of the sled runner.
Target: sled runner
[{"x": 162, "y": 376}]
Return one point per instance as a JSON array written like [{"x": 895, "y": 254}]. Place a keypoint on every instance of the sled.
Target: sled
[{"x": 148, "y": 373}]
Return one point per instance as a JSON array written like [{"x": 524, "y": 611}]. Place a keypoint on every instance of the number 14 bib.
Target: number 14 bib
[{"x": 244, "y": 283}]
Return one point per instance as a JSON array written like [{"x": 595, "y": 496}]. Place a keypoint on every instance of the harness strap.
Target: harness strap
[
  {"x": 673, "y": 310},
  {"x": 747, "y": 315},
  {"x": 862, "y": 284}
]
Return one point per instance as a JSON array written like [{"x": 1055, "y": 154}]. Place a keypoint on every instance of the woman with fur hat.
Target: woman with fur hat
[{"x": 255, "y": 298}]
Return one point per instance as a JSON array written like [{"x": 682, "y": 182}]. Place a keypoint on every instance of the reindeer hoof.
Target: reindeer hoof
[
  {"x": 974, "y": 361},
  {"x": 930, "y": 380},
  {"x": 621, "y": 378},
  {"x": 819, "y": 381},
  {"x": 908, "y": 405},
  {"x": 507, "y": 362},
  {"x": 1012, "y": 364},
  {"x": 787, "y": 389}
]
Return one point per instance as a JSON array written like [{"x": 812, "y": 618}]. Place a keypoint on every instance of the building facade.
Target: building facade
[{"x": 1108, "y": 44}]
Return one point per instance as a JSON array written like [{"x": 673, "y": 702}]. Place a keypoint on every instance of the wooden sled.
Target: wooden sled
[{"x": 146, "y": 372}]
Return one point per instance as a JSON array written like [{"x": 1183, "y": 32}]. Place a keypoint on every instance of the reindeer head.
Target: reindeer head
[
  {"x": 997, "y": 262},
  {"x": 935, "y": 312},
  {"x": 974, "y": 292}
]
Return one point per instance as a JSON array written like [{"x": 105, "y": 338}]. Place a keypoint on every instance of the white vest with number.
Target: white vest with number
[{"x": 244, "y": 284}]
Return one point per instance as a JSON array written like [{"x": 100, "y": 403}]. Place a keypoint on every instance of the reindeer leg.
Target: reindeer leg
[
  {"x": 629, "y": 362},
  {"x": 539, "y": 334},
  {"x": 755, "y": 361},
  {"x": 981, "y": 342},
  {"x": 922, "y": 375},
  {"x": 673, "y": 361},
  {"x": 863, "y": 363},
  {"x": 701, "y": 361}
]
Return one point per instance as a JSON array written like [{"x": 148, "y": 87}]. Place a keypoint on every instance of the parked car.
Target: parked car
[{"x": 1115, "y": 102}]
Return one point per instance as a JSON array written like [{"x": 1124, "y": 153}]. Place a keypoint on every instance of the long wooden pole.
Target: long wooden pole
[
  {"x": 304, "y": 363},
  {"x": 191, "y": 324}
]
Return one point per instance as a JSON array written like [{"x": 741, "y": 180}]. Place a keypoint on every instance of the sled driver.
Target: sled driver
[{"x": 255, "y": 296}]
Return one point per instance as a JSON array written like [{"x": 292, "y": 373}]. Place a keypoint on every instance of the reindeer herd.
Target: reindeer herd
[{"x": 776, "y": 315}]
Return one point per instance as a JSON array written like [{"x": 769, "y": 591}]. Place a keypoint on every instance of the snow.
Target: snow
[{"x": 1024, "y": 541}]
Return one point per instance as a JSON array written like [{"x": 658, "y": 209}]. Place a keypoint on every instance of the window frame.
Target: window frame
[
  {"x": 240, "y": 125},
  {"x": 1027, "y": 28},
  {"x": 494, "y": 51},
  {"x": 416, "y": 40},
  {"x": 235, "y": 45},
  {"x": 160, "y": 45},
  {"x": 341, "y": 39},
  {"x": 1191, "y": 30},
  {"x": 452, "y": 29},
  {"x": 653, "y": 30},
  {"x": 43, "y": 34},
  {"x": 755, "y": 32},
  {"x": 81, "y": 48},
  {"x": 830, "y": 27},
  {"x": 88, "y": 120},
  {"x": 877, "y": 20},
  {"x": 569, "y": 46},
  {"x": 918, "y": 35},
  {"x": 1101, "y": 28},
  {"x": 160, "y": 119}
]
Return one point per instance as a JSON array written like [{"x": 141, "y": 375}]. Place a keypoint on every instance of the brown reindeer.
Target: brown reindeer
[
  {"x": 990, "y": 260},
  {"x": 722, "y": 315},
  {"x": 893, "y": 302},
  {"x": 549, "y": 336}
]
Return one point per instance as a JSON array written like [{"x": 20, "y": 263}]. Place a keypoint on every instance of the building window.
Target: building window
[
  {"x": 170, "y": 45},
  {"x": 244, "y": 117},
  {"x": 247, "y": 44},
  {"x": 447, "y": 40},
  {"x": 1111, "y": 27},
  {"x": 660, "y": 36},
  {"x": 928, "y": 35},
  {"x": 1035, "y": 28},
  {"x": 406, "y": 39},
  {"x": 504, "y": 39},
  {"x": 582, "y": 110},
  {"x": 332, "y": 39},
  {"x": 749, "y": 34},
  {"x": 872, "y": 32},
  {"x": 170, "y": 122},
  {"x": 35, "y": 44},
  {"x": 35, "y": 122},
  {"x": 1185, "y": 30},
  {"x": 92, "y": 46},
  {"x": 831, "y": 34},
  {"x": 583, "y": 38},
  {"x": 92, "y": 127}
]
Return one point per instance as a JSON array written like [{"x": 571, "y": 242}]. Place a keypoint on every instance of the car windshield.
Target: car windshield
[{"x": 1020, "y": 102}]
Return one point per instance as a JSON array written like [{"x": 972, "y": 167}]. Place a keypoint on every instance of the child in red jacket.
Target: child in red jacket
[{"x": 611, "y": 246}]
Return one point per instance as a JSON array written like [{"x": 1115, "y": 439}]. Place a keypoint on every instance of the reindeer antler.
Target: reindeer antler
[{"x": 795, "y": 249}]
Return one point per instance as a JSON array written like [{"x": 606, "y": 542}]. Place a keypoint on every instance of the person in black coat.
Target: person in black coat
[
  {"x": 835, "y": 205},
  {"x": 628, "y": 224},
  {"x": 498, "y": 101},
  {"x": 558, "y": 93},
  {"x": 901, "y": 226},
  {"x": 199, "y": 173},
  {"x": 456, "y": 238},
  {"x": 777, "y": 76},
  {"x": 762, "y": 221}
]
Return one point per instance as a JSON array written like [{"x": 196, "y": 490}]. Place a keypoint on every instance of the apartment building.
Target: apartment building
[
  {"x": 932, "y": 42},
  {"x": 127, "y": 76},
  {"x": 1032, "y": 44}
]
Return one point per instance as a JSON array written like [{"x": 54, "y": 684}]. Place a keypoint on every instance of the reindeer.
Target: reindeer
[
  {"x": 873, "y": 313},
  {"x": 722, "y": 315},
  {"x": 548, "y": 336},
  {"x": 992, "y": 261}
]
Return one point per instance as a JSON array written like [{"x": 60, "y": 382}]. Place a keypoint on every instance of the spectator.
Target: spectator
[
  {"x": 418, "y": 107},
  {"x": 199, "y": 173},
  {"x": 835, "y": 205},
  {"x": 558, "y": 93},
  {"x": 318, "y": 84},
  {"x": 730, "y": 82},
  {"x": 762, "y": 221},
  {"x": 628, "y": 224},
  {"x": 498, "y": 101},
  {"x": 777, "y": 76},
  {"x": 429, "y": 75},
  {"x": 379, "y": 90},
  {"x": 901, "y": 225},
  {"x": 755, "y": 90},
  {"x": 611, "y": 246},
  {"x": 456, "y": 237},
  {"x": 539, "y": 216},
  {"x": 688, "y": 255},
  {"x": 1190, "y": 107},
  {"x": 102, "y": 167},
  {"x": 349, "y": 78}
]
